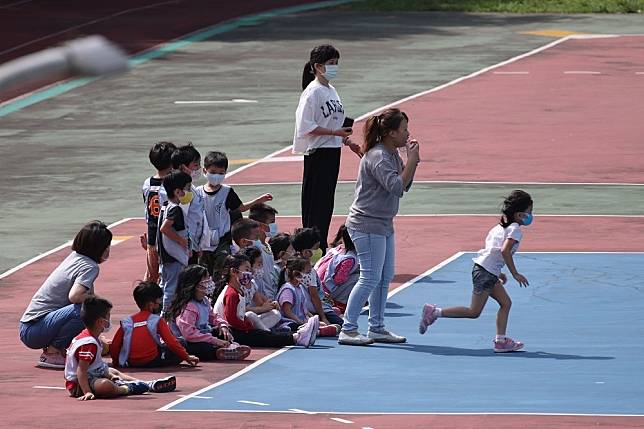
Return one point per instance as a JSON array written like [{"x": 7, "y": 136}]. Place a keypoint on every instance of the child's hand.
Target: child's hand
[
  {"x": 221, "y": 343},
  {"x": 521, "y": 279},
  {"x": 225, "y": 332},
  {"x": 144, "y": 240},
  {"x": 265, "y": 197},
  {"x": 192, "y": 360},
  {"x": 183, "y": 242},
  {"x": 87, "y": 397},
  {"x": 355, "y": 147},
  {"x": 503, "y": 278},
  {"x": 275, "y": 305}
]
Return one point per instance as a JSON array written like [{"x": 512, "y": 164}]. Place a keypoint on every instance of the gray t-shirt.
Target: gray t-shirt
[
  {"x": 54, "y": 293},
  {"x": 378, "y": 192}
]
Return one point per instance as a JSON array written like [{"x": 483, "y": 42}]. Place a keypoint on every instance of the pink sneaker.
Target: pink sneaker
[
  {"x": 428, "y": 317},
  {"x": 51, "y": 360},
  {"x": 507, "y": 345}
]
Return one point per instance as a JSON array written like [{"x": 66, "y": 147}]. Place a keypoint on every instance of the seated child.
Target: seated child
[
  {"x": 206, "y": 334},
  {"x": 145, "y": 339},
  {"x": 222, "y": 207},
  {"x": 282, "y": 250},
  {"x": 87, "y": 376},
  {"x": 339, "y": 269},
  {"x": 292, "y": 298},
  {"x": 238, "y": 276},
  {"x": 264, "y": 215},
  {"x": 307, "y": 242},
  {"x": 264, "y": 314}
]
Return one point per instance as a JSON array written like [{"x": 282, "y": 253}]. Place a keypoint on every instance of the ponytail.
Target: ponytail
[
  {"x": 319, "y": 55},
  {"x": 378, "y": 126}
]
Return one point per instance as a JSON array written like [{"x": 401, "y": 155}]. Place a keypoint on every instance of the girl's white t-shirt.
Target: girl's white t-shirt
[
  {"x": 319, "y": 106},
  {"x": 491, "y": 258}
]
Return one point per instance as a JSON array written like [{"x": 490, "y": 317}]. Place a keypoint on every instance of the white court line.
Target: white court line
[
  {"x": 445, "y": 182},
  {"x": 49, "y": 387},
  {"x": 54, "y": 250},
  {"x": 298, "y": 411},
  {"x": 581, "y": 72},
  {"x": 339, "y": 420},
  {"x": 197, "y": 397},
  {"x": 420, "y": 94},
  {"x": 234, "y": 100},
  {"x": 227, "y": 379},
  {"x": 261, "y": 404},
  {"x": 639, "y": 72}
]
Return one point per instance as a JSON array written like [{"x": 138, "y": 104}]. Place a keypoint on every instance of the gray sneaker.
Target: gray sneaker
[
  {"x": 354, "y": 338},
  {"x": 385, "y": 336}
]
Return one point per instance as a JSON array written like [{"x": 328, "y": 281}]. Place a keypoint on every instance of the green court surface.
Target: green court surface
[{"x": 83, "y": 154}]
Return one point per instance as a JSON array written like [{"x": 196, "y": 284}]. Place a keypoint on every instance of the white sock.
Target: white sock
[
  {"x": 438, "y": 312},
  {"x": 499, "y": 338}
]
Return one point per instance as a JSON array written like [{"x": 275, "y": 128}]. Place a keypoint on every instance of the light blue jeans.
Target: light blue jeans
[
  {"x": 376, "y": 254},
  {"x": 169, "y": 280}
]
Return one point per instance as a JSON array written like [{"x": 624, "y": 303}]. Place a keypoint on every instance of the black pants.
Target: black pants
[
  {"x": 321, "y": 169},
  {"x": 259, "y": 338},
  {"x": 165, "y": 357}
]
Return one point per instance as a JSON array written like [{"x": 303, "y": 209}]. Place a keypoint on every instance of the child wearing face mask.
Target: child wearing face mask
[
  {"x": 173, "y": 239},
  {"x": 222, "y": 208},
  {"x": 307, "y": 242},
  {"x": 500, "y": 244},
  {"x": 188, "y": 159},
  {"x": 293, "y": 298},
  {"x": 282, "y": 250},
  {"x": 265, "y": 216},
  {"x": 87, "y": 376},
  {"x": 207, "y": 334},
  {"x": 238, "y": 275},
  {"x": 144, "y": 339},
  {"x": 263, "y": 313}
]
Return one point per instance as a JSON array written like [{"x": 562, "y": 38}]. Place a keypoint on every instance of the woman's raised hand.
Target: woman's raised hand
[{"x": 413, "y": 151}]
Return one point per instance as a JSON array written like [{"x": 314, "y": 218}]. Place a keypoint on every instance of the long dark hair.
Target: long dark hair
[
  {"x": 343, "y": 237},
  {"x": 187, "y": 282},
  {"x": 319, "y": 55},
  {"x": 377, "y": 126},
  {"x": 517, "y": 201}
]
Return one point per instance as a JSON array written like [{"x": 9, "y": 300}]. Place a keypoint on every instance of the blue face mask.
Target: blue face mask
[
  {"x": 331, "y": 71},
  {"x": 527, "y": 219},
  {"x": 272, "y": 230}
]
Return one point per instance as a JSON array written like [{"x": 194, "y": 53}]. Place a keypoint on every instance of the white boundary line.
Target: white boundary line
[
  {"x": 448, "y": 84},
  {"x": 227, "y": 379},
  {"x": 54, "y": 250},
  {"x": 451, "y": 182},
  {"x": 492, "y": 413}
]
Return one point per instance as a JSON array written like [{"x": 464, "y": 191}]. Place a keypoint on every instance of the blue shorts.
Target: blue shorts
[{"x": 482, "y": 280}]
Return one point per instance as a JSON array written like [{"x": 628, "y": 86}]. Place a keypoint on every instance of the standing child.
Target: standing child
[
  {"x": 207, "y": 335},
  {"x": 222, "y": 207},
  {"x": 145, "y": 339},
  {"x": 263, "y": 313},
  {"x": 500, "y": 244},
  {"x": 153, "y": 197},
  {"x": 339, "y": 269},
  {"x": 172, "y": 240},
  {"x": 188, "y": 159},
  {"x": 87, "y": 376},
  {"x": 238, "y": 275},
  {"x": 307, "y": 242}
]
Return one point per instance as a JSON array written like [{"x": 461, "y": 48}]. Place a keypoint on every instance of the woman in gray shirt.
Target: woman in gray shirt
[
  {"x": 52, "y": 318},
  {"x": 382, "y": 180}
]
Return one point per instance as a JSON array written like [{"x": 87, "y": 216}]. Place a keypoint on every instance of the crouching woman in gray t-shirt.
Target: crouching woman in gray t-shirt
[
  {"x": 52, "y": 318},
  {"x": 382, "y": 179}
]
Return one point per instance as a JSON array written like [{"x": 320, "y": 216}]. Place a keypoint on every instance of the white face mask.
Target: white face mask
[
  {"x": 195, "y": 174},
  {"x": 215, "y": 179},
  {"x": 331, "y": 71},
  {"x": 108, "y": 327}
]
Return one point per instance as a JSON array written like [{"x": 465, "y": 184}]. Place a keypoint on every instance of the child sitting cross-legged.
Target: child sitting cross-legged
[
  {"x": 144, "y": 339},
  {"x": 87, "y": 376},
  {"x": 207, "y": 335}
]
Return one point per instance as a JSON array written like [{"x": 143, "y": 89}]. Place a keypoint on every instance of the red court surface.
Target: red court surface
[
  {"x": 422, "y": 242},
  {"x": 135, "y": 25},
  {"x": 555, "y": 121}
]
